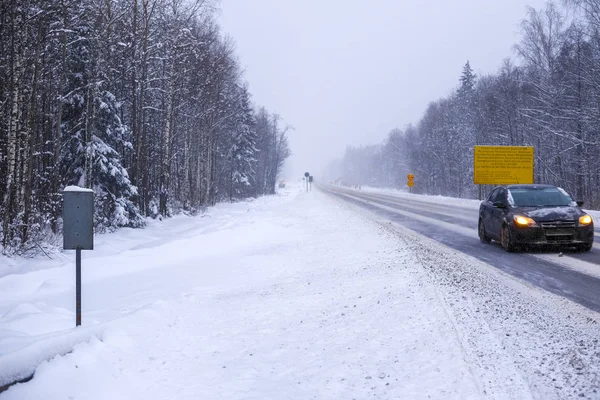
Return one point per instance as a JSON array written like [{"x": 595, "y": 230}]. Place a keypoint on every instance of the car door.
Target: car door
[
  {"x": 498, "y": 212},
  {"x": 486, "y": 212}
]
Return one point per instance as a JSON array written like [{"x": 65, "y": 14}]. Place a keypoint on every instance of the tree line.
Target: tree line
[
  {"x": 141, "y": 100},
  {"x": 549, "y": 100}
]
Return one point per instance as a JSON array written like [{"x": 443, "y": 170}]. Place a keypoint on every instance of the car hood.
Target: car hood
[{"x": 565, "y": 213}]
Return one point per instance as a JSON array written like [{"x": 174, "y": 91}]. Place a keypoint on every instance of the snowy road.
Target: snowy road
[
  {"x": 295, "y": 296},
  {"x": 574, "y": 275}
]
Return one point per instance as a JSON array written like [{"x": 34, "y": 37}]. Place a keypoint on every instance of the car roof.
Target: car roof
[{"x": 530, "y": 186}]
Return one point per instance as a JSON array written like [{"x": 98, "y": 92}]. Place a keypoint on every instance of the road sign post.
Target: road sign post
[
  {"x": 77, "y": 287},
  {"x": 411, "y": 182},
  {"x": 306, "y": 175},
  {"x": 78, "y": 232}
]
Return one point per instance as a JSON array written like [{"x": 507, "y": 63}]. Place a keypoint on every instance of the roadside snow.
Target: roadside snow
[
  {"x": 508, "y": 326},
  {"x": 288, "y": 297},
  {"x": 77, "y": 189},
  {"x": 425, "y": 198},
  {"x": 445, "y": 200}
]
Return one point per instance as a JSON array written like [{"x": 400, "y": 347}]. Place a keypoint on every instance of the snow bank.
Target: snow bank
[
  {"x": 37, "y": 295},
  {"x": 21, "y": 364},
  {"x": 77, "y": 189}
]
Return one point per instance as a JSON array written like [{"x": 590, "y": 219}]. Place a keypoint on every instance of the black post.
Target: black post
[
  {"x": 306, "y": 178},
  {"x": 77, "y": 287}
]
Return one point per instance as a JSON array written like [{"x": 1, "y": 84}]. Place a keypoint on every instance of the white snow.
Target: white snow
[
  {"x": 543, "y": 212},
  {"x": 77, "y": 189},
  {"x": 291, "y": 296}
]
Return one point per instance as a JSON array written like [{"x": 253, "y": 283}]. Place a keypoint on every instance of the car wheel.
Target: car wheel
[
  {"x": 483, "y": 237},
  {"x": 585, "y": 247},
  {"x": 506, "y": 240}
]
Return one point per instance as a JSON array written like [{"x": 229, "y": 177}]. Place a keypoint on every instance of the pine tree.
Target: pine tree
[
  {"x": 93, "y": 128},
  {"x": 467, "y": 81},
  {"x": 244, "y": 150},
  {"x": 113, "y": 190}
]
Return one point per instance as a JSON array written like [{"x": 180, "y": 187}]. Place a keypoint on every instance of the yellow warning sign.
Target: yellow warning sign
[{"x": 503, "y": 165}]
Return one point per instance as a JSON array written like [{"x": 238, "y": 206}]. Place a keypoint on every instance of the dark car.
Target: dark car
[{"x": 523, "y": 215}]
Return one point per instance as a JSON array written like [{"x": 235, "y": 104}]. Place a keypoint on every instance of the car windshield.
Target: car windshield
[{"x": 539, "y": 197}]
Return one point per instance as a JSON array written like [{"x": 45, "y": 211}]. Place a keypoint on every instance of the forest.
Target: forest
[
  {"x": 548, "y": 97},
  {"x": 142, "y": 101}
]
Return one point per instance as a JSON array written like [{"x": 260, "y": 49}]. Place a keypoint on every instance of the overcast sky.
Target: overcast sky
[{"x": 346, "y": 72}]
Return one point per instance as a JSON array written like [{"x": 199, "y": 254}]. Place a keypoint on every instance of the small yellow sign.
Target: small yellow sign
[
  {"x": 503, "y": 165},
  {"x": 411, "y": 183}
]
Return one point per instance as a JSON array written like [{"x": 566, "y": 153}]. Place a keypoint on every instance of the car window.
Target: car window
[
  {"x": 540, "y": 197},
  {"x": 501, "y": 198},
  {"x": 498, "y": 195},
  {"x": 492, "y": 197}
]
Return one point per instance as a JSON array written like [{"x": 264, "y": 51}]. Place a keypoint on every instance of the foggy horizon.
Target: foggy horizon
[{"x": 347, "y": 76}]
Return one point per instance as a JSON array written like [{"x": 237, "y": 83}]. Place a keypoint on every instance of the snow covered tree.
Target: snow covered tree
[
  {"x": 93, "y": 129},
  {"x": 140, "y": 100},
  {"x": 244, "y": 151},
  {"x": 549, "y": 101},
  {"x": 467, "y": 81},
  {"x": 273, "y": 150},
  {"x": 467, "y": 135},
  {"x": 113, "y": 190}
]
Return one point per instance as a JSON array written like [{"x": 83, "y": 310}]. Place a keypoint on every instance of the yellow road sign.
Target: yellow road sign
[
  {"x": 503, "y": 165},
  {"x": 410, "y": 177},
  {"x": 411, "y": 183}
]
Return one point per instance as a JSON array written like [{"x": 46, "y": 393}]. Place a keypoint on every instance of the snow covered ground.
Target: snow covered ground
[{"x": 294, "y": 296}]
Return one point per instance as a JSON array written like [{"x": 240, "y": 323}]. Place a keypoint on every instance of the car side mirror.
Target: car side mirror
[
  {"x": 579, "y": 203},
  {"x": 499, "y": 204}
]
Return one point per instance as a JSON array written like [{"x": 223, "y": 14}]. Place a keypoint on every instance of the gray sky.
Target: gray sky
[{"x": 346, "y": 72}]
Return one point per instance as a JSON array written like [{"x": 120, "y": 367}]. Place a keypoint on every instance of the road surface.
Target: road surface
[{"x": 571, "y": 274}]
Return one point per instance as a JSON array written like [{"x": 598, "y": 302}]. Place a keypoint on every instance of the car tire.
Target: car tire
[
  {"x": 483, "y": 237},
  {"x": 585, "y": 247},
  {"x": 506, "y": 240}
]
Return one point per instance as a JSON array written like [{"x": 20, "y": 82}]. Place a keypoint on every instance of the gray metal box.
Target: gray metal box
[{"x": 78, "y": 218}]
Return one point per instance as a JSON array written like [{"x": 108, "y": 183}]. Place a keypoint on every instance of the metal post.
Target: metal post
[
  {"x": 480, "y": 192},
  {"x": 77, "y": 287}
]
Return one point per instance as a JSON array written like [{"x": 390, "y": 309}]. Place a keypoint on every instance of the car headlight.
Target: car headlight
[
  {"x": 585, "y": 220},
  {"x": 523, "y": 221}
]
